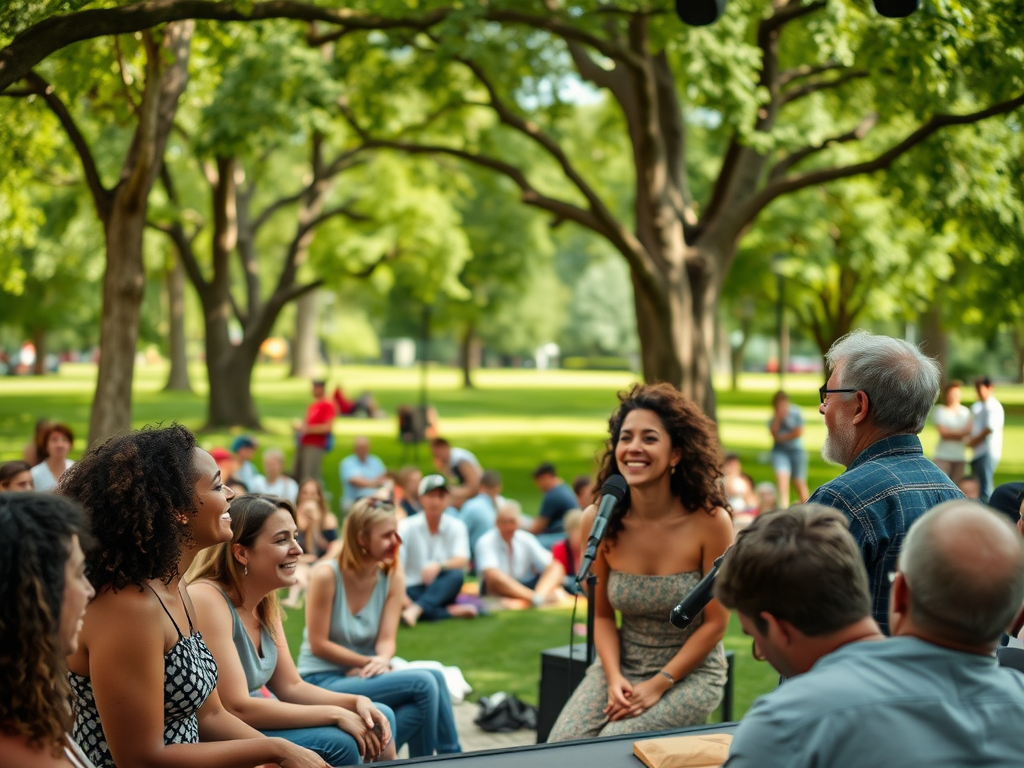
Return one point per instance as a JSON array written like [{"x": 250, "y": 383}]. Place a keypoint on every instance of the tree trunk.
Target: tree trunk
[
  {"x": 177, "y": 379},
  {"x": 231, "y": 402},
  {"x": 934, "y": 339},
  {"x": 39, "y": 342},
  {"x": 125, "y": 275},
  {"x": 123, "y": 288},
  {"x": 466, "y": 350},
  {"x": 304, "y": 352},
  {"x": 675, "y": 334}
]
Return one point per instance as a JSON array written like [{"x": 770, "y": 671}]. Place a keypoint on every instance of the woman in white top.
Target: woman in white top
[
  {"x": 953, "y": 421},
  {"x": 57, "y": 442}
]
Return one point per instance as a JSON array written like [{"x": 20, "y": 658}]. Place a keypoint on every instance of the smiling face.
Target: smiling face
[
  {"x": 273, "y": 556},
  {"x": 212, "y": 524},
  {"x": 77, "y": 594},
  {"x": 644, "y": 452},
  {"x": 381, "y": 541}
]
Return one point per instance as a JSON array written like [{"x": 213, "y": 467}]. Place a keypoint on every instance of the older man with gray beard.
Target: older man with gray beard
[{"x": 875, "y": 403}]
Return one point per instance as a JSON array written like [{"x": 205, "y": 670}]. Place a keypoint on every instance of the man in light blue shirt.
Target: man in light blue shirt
[
  {"x": 933, "y": 695},
  {"x": 362, "y": 473},
  {"x": 479, "y": 513}
]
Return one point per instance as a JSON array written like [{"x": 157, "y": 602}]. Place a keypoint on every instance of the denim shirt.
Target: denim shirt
[{"x": 887, "y": 487}]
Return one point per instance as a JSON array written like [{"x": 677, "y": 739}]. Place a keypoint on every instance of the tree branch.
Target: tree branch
[
  {"x": 772, "y": 190},
  {"x": 806, "y": 70},
  {"x": 101, "y": 196},
  {"x": 821, "y": 85},
  {"x": 56, "y": 32},
  {"x": 790, "y": 160}
]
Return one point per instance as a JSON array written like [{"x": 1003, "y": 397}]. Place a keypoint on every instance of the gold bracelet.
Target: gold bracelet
[{"x": 671, "y": 680}]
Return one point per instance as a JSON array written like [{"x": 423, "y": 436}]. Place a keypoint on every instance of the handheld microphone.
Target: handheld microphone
[
  {"x": 691, "y": 605},
  {"x": 612, "y": 491}
]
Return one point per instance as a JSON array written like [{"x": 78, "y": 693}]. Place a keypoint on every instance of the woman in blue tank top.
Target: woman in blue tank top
[
  {"x": 142, "y": 677},
  {"x": 234, "y": 587},
  {"x": 352, "y": 612}
]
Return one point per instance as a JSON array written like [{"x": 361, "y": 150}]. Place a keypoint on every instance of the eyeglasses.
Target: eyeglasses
[{"x": 824, "y": 392}]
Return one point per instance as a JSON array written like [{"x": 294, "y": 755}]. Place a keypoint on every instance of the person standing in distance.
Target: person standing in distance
[{"x": 986, "y": 436}]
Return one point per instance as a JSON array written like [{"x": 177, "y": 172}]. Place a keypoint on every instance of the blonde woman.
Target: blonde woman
[
  {"x": 352, "y": 614},
  {"x": 234, "y": 590}
]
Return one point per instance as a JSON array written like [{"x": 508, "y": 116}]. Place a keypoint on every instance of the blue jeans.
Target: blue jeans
[
  {"x": 434, "y": 598},
  {"x": 419, "y": 698},
  {"x": 334, "y": 745},
  {"x": 983, "y": 468}
]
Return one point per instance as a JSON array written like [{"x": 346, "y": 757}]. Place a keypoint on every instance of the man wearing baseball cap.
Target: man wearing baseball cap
[{"x": 435, "y": 556}]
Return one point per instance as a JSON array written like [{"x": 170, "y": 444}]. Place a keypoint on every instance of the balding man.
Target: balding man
[
  {"x": 362, "y": 473},
  {"x": 932, "y": 695},
  {"x": 875, "y": 403},
  {"x": 513, "y": 563}
]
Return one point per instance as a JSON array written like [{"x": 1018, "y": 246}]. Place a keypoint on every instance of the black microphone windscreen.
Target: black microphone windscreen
[
  {"x": 894, "y": 9},
  {"x": 614, "y": 486},
  {"x": 700, "y": 13}
]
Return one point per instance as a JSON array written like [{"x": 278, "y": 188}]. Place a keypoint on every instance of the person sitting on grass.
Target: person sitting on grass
[
  {"x": 351, "y": 627},
  {"x": 569, "y": 551},
  {"x": 478, "y": 513},
  {"x": 273, "y": 481},
  {"x": 512, "y": 563},
  {"x": 234, "y": 588},
  {"x": 435, "y": 557},
  {"x": 558, "y": 499}
]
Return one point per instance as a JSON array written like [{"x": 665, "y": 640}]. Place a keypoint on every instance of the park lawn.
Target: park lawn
[{"x": 512, "y": 420}]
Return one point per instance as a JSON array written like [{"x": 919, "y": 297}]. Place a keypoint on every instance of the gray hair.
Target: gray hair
[
  {"x": 901, "y": 382},
  {"x": 510, "y": 507},
  {"x": 959, "y": 600},
  {"x": 273, "y": 453}
]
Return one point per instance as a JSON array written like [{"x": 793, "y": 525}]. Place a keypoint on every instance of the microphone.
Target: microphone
[
  {"x": 700, "y": 13},
  {"x": 612, "y": 491},
  {"x": 691, "y": 605}
]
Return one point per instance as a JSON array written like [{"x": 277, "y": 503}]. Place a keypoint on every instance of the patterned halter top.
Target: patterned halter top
[{"x": 190, "y": 675}]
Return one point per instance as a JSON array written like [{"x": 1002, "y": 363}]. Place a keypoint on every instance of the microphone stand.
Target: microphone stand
[{"x": 591, "y": 584}]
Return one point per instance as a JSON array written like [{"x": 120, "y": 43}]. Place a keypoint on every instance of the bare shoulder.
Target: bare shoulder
[
  {"x": 716, "y": 525},
  {"x": 129, "y": 604},
  {"x": 322, "y": 575},
  {"x": 330, "y": 522},
  {"x": 207, "y": 597},
  {"x": 18, "y": 754}
]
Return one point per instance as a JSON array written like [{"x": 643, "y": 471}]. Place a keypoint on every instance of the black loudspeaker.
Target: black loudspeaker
[
  {"x": 896, "y": 9},
  {"x": 700, "y": 13},
  {"x": 557, "y": 682}
]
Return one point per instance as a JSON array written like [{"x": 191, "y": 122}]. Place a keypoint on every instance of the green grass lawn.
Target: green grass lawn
[{"x": 512, "y": 420}]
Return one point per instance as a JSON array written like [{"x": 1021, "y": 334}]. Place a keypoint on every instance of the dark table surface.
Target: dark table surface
[{"x": 611, "y": 752}]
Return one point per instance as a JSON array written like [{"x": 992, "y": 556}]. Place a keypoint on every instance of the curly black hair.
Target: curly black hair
[
  {"x": 35, "y": 541},
  {"x": 696, "y": 479},
  {"x": 139, "y": 492}
]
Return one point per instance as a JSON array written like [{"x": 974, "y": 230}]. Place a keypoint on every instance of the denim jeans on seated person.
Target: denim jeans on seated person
[
  {"x": 434, "y": 598},
  {"x": 337, "y": 747},
  {"x": 420, "y": 700}
]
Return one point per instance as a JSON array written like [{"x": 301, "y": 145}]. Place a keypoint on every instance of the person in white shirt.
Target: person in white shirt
[
  {"x": 953, "y": 422},
  {"x": 57, "y": 442},
  {"x": 514, "y": 564},
  {"x": 986, "y": 436},
  {"x": 435, "y": 556},
  {"x": 274, "y": 482}
]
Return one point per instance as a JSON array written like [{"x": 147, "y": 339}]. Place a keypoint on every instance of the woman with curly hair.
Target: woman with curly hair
[
  {"x": 44, "y": 592},
  {"x": 661, "y": 539},
  {"x": 142, "y": 677},
  {"x": 234, "y": 586}
]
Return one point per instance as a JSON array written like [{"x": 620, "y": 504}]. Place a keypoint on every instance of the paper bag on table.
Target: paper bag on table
[{"x": 699, "y": 751}]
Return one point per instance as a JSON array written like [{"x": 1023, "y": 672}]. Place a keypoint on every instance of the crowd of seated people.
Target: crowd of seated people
[{"x": 181, "y": 658}]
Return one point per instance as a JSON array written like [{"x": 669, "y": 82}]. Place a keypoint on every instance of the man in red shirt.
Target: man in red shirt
[{"x": 313, "y": 434}]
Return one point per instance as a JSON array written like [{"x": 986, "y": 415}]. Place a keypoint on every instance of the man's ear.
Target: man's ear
[
  {"x": 899, "y": 603},
  {"x": 863, "y": 407}
]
